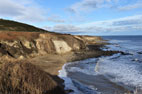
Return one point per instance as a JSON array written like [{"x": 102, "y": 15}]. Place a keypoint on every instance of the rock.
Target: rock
[
  {"x": 90, "y": 39},
  {"x": 61, "y": 46},
  {"x": 69, "y": 91},
  {"x": 137, "y": 60},
  {"x": 139, "y": 52},
  {"x": 124, "y": 53}
]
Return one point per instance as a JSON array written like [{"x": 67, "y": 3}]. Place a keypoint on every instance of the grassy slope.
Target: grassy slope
[
  {"x": 7, "y": 25},
  {"x": 19, "y": 30}
]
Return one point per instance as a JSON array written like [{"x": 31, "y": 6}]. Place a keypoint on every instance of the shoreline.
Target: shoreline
[
  {"x": 57, "y": 61},
  {"x": 54, "y": 63}
]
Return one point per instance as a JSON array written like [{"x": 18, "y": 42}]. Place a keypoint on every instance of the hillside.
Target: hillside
[{"x": 8, "y": 25}]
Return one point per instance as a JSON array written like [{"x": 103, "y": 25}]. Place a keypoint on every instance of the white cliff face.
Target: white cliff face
[
  {"x": 14, "y": 43},
  {"x": 43, "y": 44},
  {"x": 90, "y": 39},
  {"x": 61, "y": 46},
  {"x": 27, "y": 44}
]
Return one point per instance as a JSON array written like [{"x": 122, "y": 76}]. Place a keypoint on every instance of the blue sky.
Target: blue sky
[{"x": 89, "y": 17}]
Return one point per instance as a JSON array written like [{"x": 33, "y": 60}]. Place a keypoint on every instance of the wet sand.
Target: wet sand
[{"x": 99, "y": 83}]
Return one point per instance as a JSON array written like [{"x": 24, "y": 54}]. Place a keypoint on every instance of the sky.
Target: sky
[{"x": 87, "y": 17}]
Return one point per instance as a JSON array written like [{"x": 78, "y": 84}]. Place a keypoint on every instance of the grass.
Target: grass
[
  {"x": 18, "y": 35},
  {"x": 8, "y": 25},
  {"x": 24, "y": 78}
]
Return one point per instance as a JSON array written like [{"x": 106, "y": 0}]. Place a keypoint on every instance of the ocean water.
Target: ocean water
[{"x": 117, "y": 74}]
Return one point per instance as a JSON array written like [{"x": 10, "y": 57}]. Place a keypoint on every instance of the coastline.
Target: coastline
[
  {"x": 54, "y": 63},
  {"x": 49, "y": 52}
]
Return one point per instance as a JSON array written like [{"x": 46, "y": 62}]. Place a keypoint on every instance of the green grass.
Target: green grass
[{"x": 8, "y": 25}]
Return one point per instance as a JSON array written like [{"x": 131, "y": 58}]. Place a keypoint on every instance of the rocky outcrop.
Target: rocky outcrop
[
  {"x": 90, "y": 39},
  {"x": 58, "y": 43},
  {"x": 61, "y": 46}
]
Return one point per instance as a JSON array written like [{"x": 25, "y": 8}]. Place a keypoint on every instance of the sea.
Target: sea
[{"x": 116, "y": 74}]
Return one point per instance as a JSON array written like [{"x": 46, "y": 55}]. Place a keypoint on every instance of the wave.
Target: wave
[
  {"x": 72, "y": 84},
  {"x": 121, "y": 69},
  {"x": 68, "y": 81}
]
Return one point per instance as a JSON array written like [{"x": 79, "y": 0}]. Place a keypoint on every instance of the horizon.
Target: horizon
[{"x": 79, "y": 17}]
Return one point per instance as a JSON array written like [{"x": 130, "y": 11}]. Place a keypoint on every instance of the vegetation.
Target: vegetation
[
  {"x": 17, "y": 35},
  {"x": 7, "y": 25},
  {"x": 24, "y": 78}
]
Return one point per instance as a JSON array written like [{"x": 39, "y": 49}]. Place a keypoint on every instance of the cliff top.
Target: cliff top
[
  {"x": 8, "y": 25},
  {"x": 20, "y": 30}
]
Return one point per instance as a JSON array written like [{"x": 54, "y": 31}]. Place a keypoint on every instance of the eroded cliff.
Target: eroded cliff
[{"x": 29, "y": 44}]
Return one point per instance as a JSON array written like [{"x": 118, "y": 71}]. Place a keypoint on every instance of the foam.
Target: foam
[
  {"x": 122, "y": 69},
  {"x": 67, "y": 81},
  {"x": 86, "y": 66},
  {"x": 85, "y": 89},
  {"x": 74, "y": 85}
]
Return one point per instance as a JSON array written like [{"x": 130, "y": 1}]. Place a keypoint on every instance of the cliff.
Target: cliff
[{"x": 26, "y": 44}]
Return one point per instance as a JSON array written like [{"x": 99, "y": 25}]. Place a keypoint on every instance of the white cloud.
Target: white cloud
[
  {"x": 9, "y": 8},
  {"x": 130, "y": 20},
  {"x": 22, "y": 10},
  {"x": 88, "y": 5},
  {"x": 56, "y": 19},
  {"x": 92, "y": 5},
  {"x": 63, "y": 28},
  {"x": 126, "y": 24},
  {"x": 130, "y": 7}
]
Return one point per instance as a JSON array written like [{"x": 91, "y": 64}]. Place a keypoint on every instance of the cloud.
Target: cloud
[
  {"x": 87, "y": 5},
  {"x": 126, "y": 24},
  {"x": 63, "y": 28},
  {"x": 9, "y": 8},
  {"x": 92, "y": 5},
  {"x": 130, "y": 7},
  {"x": 22, "y": 10},
  {"x": 56, "y": 19}
]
